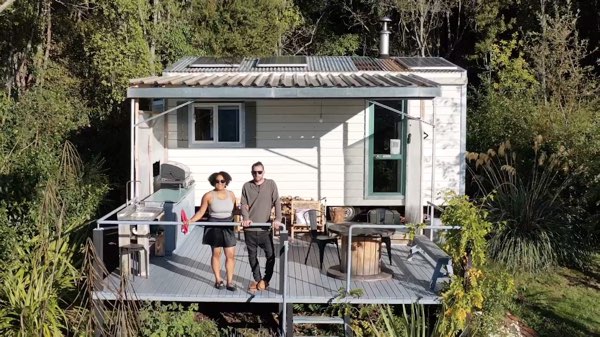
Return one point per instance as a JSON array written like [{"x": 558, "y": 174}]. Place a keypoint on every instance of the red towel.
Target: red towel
[{"x": 185, "y": 228}]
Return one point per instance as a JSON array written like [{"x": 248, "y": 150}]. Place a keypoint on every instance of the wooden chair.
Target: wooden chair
[
  {"x": 301, "y": 225},
  {"x": 321, "y": 240}
]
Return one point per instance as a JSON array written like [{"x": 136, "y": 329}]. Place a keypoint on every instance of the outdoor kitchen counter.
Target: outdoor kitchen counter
[
  {"x": 169, "y": 195},
  {"x": 174, "y": 200}
]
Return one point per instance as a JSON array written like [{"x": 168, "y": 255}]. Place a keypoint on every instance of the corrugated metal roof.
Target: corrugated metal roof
[
  {"x": 375, "y": 64},
  {"x": 321, "y": 64},
  {"x": 286, "y": 80}
]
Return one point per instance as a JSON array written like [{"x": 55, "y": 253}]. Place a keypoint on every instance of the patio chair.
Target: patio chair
[
  {"x": 320, "y": 239},
  {"x": 383, "y": 216},
  {"x": 298, "y": 223}
]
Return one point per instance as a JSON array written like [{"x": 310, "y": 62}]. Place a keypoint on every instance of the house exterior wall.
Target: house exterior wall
[
  {"x": 450, "y": 112},
  {"x": 311, "y": 148},
  {"x": 316, "y": 148},
  {"x": 448, "y": 137},
  {"x": 150, "y": 148}
]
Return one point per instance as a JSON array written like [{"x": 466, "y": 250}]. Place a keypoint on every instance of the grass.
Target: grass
[{"x": 561, "y": 302}]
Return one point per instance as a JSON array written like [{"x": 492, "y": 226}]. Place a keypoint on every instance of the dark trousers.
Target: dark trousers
[{"x": 262, "y": 239}]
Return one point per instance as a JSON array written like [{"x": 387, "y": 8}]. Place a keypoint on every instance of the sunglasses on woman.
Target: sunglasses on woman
[{"x": 220, "y": 181}]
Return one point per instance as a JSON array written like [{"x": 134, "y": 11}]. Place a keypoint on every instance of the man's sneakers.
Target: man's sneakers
[{"x": 262, "y": 285}]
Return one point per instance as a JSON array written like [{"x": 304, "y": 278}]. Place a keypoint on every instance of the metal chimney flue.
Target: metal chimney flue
[{"x": 384, "y": 38}]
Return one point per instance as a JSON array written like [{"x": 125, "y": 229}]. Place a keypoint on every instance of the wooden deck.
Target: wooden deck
[{"x": 186, "y": 276}]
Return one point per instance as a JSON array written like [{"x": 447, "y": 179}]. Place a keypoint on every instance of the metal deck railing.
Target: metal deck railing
[{"x": 283, "y": 249}]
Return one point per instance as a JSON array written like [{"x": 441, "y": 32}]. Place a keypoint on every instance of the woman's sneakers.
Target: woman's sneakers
[{"x": 230, "y": 286}]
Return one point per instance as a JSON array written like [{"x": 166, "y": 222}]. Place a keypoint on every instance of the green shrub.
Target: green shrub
[
  {"x": 467, "y": 247},
  {"x": 498, "y": 289},
  {"x": 166, "y": 320}
]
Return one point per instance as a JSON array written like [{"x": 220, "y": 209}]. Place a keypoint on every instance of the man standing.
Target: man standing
[{"x": 259, "y": 195}]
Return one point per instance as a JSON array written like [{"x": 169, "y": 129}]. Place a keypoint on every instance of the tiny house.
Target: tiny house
[{"x": 358, "y": 131}]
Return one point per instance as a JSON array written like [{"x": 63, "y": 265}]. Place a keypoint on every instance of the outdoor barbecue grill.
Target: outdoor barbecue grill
[{"x": 174, "y": 175}]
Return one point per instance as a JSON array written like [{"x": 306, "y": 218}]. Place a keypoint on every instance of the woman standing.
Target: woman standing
[{"x": 220, "y": 204}]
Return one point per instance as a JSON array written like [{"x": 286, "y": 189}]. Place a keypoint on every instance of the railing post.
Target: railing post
[
  {"x": 349, "y": 259},
  {"x": 431, "y": 215},
  {"x": 285, "y": 309}
]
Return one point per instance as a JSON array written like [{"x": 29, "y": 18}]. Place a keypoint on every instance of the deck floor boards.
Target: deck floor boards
[{"x": 186, "y": 276}]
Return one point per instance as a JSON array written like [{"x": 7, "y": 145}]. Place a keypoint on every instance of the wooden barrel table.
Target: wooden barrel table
[{"x": 366, "y": 253}]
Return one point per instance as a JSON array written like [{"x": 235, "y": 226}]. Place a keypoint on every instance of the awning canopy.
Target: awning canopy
[{"x": 284, "y": 85}]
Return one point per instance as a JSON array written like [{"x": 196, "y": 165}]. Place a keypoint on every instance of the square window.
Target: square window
[
  {"x": 203, "y": 126},
  {"x": 216, "y": 125},
  {"x": 229, "y": 124}
]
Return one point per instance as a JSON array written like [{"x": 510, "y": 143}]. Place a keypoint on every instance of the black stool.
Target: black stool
[{"x": 133, "y": 250}]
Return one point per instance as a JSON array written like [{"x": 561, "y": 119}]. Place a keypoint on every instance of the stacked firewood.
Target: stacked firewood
[{"x": 286, "y": 206}]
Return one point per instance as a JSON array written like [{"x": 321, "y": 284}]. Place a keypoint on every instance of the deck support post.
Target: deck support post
[
  {"x": 347, "y": 327},
  {"x": 98, "y": 240},
  {"x": 287, "y": 326},
  {"x": 98, "y": 318}
]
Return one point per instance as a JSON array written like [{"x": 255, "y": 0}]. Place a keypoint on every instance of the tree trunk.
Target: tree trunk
[{"x": 155, "y": 13}]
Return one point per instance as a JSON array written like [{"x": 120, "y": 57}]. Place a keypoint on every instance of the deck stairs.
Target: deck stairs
[{"x": 301, "y": 319}]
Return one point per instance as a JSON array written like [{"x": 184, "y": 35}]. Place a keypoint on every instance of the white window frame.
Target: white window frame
[{"x": 215, "y": 142}]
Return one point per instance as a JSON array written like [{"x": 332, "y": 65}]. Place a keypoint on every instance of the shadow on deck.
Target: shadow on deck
[{"x": 186, "y": 276}]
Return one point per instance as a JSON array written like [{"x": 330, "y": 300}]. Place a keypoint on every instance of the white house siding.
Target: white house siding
[
  {"x": 450, "y": 135},
  {"x": 294, "y": 138},
  {"x": 150, "y": 140}
]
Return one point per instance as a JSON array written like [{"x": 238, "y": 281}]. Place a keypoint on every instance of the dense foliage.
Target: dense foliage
[{"x": 173, "y": 320}]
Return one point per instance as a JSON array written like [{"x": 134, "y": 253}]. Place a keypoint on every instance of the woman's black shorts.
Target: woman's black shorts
[{"x": 219, "y": 236}]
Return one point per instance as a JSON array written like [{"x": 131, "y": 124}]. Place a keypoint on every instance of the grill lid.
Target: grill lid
[{"x": 174, "y": 171}]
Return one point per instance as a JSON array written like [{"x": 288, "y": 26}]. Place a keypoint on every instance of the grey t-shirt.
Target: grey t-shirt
[{"x": 257, "y": 200}]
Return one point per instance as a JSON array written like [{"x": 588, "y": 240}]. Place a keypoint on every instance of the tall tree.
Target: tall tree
[{"x": 241, "y": 28}]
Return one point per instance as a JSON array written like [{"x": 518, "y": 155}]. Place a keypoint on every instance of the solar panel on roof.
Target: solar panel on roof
[
  {"x": 425, "y": 63},
  {"x": 213, "y": 62},
  {"x": 282, "y": 61}
]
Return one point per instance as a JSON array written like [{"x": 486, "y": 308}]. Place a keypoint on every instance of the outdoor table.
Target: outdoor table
[{"x": 366, "y": 252}]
